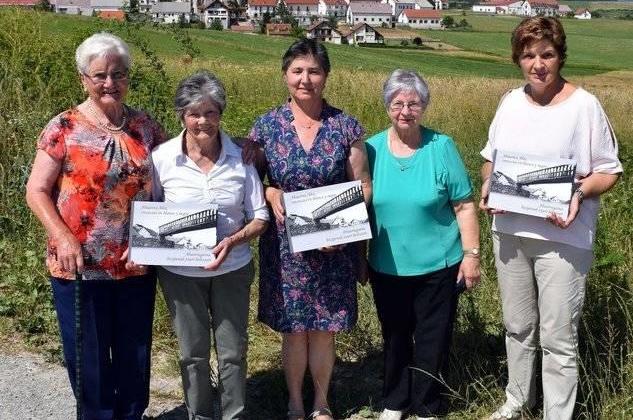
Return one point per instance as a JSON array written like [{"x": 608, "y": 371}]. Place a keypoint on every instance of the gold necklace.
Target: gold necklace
[{"x": 107, "y": 126}]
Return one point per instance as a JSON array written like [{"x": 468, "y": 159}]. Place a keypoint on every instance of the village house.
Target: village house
[
  {"x": 171, "y": 12},
  {"x": 364, "y": 33},
  {"x": 257, "y": 8},
  {"x": 144, "y": 6},
  {"x": 216, "y": 11},
  {"x": 518, "y": 8},
  {"x": 544, "y": 7},
  {"x": 583, "y": 14},
  {"x": 397, "y": 6},
  {"x": 370, "y": 12},
  {"x": 564, "y": 10},
  {"x": 86, "y": 7},
  {"x": 336, "y": 8},
  {"x": 324, "y": 32},
  {"x": 303, "y": 10},
  {"x": 421, "y": 19}
]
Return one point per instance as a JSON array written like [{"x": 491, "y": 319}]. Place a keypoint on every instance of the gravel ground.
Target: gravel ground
[{"x": 31, "y": 389}]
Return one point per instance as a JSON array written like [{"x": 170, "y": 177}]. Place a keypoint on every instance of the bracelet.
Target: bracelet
[{"x": 581, "y": 195}]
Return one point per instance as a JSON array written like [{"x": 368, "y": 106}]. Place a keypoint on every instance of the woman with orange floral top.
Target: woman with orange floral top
[{"x": 92, "y": 161}]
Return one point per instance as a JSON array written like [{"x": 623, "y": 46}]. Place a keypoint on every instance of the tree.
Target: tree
[
  {"x": 417, "y": 41},
  {"x": 332, "y": 20},
  {"x": 266, "y": 18},
  {"x": 448, "y": 22},
  {"x": 44, "y": 6}
]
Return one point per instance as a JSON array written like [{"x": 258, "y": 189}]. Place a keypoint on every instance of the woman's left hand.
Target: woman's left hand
[
  {"x": 469, "y": 271},
  {"x": 332, "y": 248},
  {"x": 220, "y": 251},
  {"x": 574, "y": 207},
  {"x": 129, "y": 264}
]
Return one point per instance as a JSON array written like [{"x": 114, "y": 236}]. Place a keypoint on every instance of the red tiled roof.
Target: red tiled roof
[
  {"x": 424, "y": 14},
  {"x": 335, "y": 2},
  {"x": 18, "y": 2},
  {"x": 302, "y": 2},
  {"x": 551, "y": 3},
  {"x": 112, "y": 15},
  {"x": 262, "y": 3},
  {"x": 498, "y": 2},
  {"x": 580, "y": 11}
]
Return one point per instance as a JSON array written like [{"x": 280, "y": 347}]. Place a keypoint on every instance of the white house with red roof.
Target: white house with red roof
[
  {"x": 336, "y": 8},
  {"x": 518, "y": 8},
  {"x": 216, "y": 10},
  {"x": 421, "y": 19},
  {"x": 370, "y": 12},
  {"x": 257, "y": 8},
  {"x": 544, "y": 7},
  {"x": 323, "y": 31},
  {"x": 303, "y": 10}
]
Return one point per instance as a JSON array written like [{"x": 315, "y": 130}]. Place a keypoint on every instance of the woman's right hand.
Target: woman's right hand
[
  {"x": 68, "y": 252},
  {"x": 274, "y": 198},
  {"x": 483, "y": 202}
]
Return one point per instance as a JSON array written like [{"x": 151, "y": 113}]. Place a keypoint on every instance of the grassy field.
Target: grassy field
[{"x": 37, "y": 80}]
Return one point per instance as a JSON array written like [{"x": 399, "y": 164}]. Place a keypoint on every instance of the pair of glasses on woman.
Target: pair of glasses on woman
[
  {"x": 100, "y": 78},
  {"x": 399, "y": 106}
]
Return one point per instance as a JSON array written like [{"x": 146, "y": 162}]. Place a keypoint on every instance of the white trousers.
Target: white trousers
[{"x": 542, "y": 286}]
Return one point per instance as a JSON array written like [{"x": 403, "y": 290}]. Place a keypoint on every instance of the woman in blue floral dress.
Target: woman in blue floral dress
[{"x": 307, "y": 296}]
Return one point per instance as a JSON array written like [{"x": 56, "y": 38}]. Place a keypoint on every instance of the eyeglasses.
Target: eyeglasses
[
  {"x": 399, "y": 106},
  {"x": 100, "y": 78}
]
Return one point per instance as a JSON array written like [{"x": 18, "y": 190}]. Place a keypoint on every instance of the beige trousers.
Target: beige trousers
[{"x": 542, "y": 286}]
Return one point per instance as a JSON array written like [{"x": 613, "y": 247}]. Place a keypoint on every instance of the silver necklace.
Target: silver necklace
[{"x": 107, "y": 126}]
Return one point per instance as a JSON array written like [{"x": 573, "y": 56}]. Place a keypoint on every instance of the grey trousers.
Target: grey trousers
[
  {"x": 542, "y": 286},
  {"x": 199, "y": 305}
]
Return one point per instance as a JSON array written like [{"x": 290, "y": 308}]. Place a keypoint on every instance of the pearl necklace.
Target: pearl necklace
[{"x": 107, "y": 126}]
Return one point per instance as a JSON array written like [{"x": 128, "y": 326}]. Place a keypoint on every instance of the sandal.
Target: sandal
[
  {"x": 321, "y": 412},
  {"x": 295, "y": 415}
]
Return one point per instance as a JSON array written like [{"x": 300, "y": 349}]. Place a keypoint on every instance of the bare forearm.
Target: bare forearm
[
  {"x": 43, "y": 208},
  {"x": 486, "y": 170},
  {"x": 466, "y": 214},
  {"x": 597, "y": 183},
  {"x": 251, "y": 230}
]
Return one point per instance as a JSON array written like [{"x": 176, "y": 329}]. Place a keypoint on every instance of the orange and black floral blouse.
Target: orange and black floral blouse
[{"x": 101, "y": 174}]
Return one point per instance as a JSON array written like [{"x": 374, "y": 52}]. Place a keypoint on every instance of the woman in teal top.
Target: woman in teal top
[{"x": 425, "y": 247}]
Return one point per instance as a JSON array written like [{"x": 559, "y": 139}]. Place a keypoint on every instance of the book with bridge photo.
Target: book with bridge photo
[
  {"x": 326, "y": 216},
  {"x": 173, "y": 234},
  {"x": 531, "y": 185}
]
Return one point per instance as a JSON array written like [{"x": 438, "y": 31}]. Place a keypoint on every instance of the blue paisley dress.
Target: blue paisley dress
[{"x": 311, "y": 290}]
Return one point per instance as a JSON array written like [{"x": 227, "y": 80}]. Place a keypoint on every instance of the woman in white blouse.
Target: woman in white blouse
[
  {"x": 202, "y": 165},
  {"x": 542, "y": 263}
]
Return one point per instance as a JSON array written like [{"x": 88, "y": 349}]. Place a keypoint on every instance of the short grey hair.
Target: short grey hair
[
  {"x": 101, "y": 44},
  {"x": 405, "y": 81},
  {"x": 195, "y": 89}
]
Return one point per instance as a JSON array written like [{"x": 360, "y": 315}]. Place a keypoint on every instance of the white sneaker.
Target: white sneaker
[
  {"x": 390, "y": 415},
  {"x": 506, "y": 412}
]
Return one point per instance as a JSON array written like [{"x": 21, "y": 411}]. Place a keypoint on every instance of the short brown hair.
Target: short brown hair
[{"x": 536, "y": 29}]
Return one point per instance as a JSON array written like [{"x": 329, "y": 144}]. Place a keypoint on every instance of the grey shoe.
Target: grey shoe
[{"x": 506, "y": 412}]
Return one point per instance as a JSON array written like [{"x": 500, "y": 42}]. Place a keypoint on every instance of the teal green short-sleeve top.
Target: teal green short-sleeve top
[{"x": 413, "y": 223}]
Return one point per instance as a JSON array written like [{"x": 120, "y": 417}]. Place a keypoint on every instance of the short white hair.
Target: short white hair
[
  {"x": 100, "y": 45},
  {"x": 405, "y": 81}
]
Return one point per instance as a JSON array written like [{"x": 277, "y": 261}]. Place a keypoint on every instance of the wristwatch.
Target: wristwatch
[{"x": 472, "y": 251}]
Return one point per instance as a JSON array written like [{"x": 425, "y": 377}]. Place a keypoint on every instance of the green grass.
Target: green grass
[
  {"x": 38, "y": 80},
  {"x": 594, "y": 46}
]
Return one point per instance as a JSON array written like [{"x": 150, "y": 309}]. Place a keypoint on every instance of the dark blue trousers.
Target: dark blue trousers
[{"x": 117, "y": 339}]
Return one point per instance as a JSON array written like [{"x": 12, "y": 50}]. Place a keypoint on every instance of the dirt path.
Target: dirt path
[{"x": 31, "y": 389}]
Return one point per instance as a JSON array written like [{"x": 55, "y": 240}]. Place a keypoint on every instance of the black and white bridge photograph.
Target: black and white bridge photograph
[
  {"x": 159, "y": 230},
  {"x": 531, "y": 185},
  {"x": 312, "y": 213}
]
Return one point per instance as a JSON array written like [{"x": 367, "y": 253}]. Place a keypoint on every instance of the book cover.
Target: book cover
[
  {"x": 326, "y": 216},
  {"x": 174, "y": 234},
  {"x": 531, "y": 185}
]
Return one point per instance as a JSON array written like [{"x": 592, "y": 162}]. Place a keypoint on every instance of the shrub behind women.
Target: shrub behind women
[{"x": 92, "y": 161}]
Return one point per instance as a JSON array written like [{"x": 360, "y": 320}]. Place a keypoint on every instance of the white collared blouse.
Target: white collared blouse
[{"x": 231, "y": 184}]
